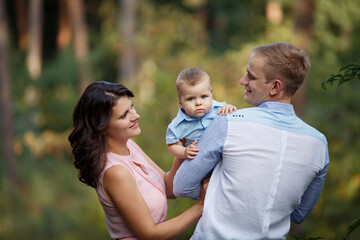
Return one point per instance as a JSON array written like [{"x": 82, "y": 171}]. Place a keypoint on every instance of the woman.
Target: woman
[{"x": 131, "y": 188}]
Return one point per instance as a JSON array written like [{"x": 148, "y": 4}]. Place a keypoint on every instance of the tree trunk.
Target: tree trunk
[
  {"x": 21, "y": 23},
  {"x": 81, "y": 47},
  {"x": 5, "y": 111},
  {"x": 34, "y": 59},
  {"x": 64, "y": 34},
  {"x": 127, "y": 23},
  {"x": 303, "y": 31},
  {"x": 274, "y": 12}
]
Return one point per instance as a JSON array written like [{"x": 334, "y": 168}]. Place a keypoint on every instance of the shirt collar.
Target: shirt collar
[
  {"x": 284, "y": 108},
  {"x": 181, "y": 116}
]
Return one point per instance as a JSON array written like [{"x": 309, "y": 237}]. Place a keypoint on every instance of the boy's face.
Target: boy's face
[{"x": 196, "y": 100}]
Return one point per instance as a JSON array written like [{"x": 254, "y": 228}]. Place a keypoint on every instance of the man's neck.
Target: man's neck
[{"x": 280, "y": 98}]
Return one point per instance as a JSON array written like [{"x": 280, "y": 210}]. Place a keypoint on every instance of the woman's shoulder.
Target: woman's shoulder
[
  {"x": 114, "y": 160},
  {"x": 118, "y": 173}
]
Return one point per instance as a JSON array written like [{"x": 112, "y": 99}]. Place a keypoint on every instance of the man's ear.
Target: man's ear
[
  {"x": 276, "y": 87},
  {"x": 180, "y": 103}
]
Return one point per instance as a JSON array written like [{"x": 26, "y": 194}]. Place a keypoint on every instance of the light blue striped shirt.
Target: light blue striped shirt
[
  {"x": 190, "y": 128},
  {"x": 268, "y": 168}
]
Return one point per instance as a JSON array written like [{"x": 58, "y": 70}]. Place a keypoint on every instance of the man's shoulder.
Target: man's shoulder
[
  {"x": 217, "y": 104},
  {"x": 244, "y": 113},
  {"x": 312, "y": 131}
]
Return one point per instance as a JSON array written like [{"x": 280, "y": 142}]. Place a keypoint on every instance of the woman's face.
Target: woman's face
[{"x": 123, "y": 123}]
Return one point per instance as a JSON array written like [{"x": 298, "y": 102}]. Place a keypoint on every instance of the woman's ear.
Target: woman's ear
[{"x": 276, "y": 87}]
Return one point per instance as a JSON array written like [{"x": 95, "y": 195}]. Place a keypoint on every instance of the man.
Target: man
[{"x": 269, "y": 165}]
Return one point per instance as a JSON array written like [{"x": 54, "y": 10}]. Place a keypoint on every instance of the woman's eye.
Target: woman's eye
[{"x": 123, "y": 116}]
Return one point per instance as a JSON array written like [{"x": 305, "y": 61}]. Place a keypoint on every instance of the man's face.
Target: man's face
[{"x": 257, "y": 89}]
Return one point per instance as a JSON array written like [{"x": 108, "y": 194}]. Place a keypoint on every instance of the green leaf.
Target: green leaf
[
  {"x": 291, "y": 236},
  {"x": 347, "y": 73},
  {"x": 350, "y": 66},
  {"x": 353, "y": 225},
  {"x": 295, "y": 237}
]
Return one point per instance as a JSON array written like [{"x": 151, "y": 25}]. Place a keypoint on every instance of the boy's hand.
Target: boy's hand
[
  {"x": 191, "y": 151},
  {"x": 226, "y": 109}
]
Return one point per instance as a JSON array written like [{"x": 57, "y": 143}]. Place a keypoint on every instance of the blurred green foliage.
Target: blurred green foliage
[
  {"x": 171, "y": 36},
  {"x": 347, "y": 73}
]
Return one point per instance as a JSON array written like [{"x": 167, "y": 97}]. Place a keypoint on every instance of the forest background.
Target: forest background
[{"x": 50, "y": 50}]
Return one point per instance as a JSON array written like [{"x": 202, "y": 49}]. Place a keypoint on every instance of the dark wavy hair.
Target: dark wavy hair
[{"x": 90, "y": 120}]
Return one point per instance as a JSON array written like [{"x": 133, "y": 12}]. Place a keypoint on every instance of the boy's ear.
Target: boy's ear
[
  {"x": 276, "y": 87},
  {"x": 180, "y": 103}
]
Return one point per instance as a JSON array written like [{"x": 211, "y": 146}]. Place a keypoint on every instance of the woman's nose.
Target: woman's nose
[{"x": 136, "y": 116}]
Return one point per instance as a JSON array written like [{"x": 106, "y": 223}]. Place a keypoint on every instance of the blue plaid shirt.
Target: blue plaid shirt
[{"x": 190, "y": 128}]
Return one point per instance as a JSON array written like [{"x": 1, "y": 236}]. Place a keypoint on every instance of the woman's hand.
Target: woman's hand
[{"x": 203, "y": 190}]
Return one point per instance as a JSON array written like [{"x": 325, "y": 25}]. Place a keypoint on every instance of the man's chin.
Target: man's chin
[{"x": 247, "y": 100}]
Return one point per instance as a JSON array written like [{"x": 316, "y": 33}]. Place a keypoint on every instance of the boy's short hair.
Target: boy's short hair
[
  {"x": 190, "y": 76},
  {"x": 286, "y": 63}
]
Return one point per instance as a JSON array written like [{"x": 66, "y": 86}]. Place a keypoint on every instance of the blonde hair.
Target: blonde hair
[
  {"x": 286, "y": 63},
  {"x": 190, "y": 76}
]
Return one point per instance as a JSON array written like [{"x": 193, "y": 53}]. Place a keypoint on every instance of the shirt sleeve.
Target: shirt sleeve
[
  {"x": 311, "y": 195},
  {"x": 170, "y": 135},
  {"x": 187, "y": 180}
]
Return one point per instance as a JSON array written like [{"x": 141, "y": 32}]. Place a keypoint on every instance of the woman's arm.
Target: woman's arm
[{"x": 122, "y": 190}]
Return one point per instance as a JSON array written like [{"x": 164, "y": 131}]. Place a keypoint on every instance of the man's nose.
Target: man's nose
[{"x": 243, "y": 80}]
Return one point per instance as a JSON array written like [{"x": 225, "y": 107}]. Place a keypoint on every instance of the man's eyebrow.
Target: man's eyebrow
[{"x": 249, "y": 72}]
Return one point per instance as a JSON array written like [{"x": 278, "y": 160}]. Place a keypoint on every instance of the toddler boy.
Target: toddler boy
[{"x": 197, "y": 110}]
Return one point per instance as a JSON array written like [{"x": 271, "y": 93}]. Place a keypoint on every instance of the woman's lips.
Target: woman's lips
[{"x": 136, "y": 125}]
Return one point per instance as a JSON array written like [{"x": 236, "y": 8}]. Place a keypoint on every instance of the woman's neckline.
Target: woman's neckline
[{"x": 121, "y": 155}]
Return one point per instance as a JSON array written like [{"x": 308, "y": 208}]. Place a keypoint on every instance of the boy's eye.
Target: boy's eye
[
  {"x": 204, "y": 96},
  {"x": 190, "y": 99}
]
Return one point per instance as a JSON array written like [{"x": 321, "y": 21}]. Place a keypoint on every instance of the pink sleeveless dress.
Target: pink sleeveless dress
[{"x": 149, "y": 182}]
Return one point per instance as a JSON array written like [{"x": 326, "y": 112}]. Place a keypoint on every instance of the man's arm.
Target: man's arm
[
  {"x": 187, "y": 181},
  {"x": 311, "y": 195}
]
